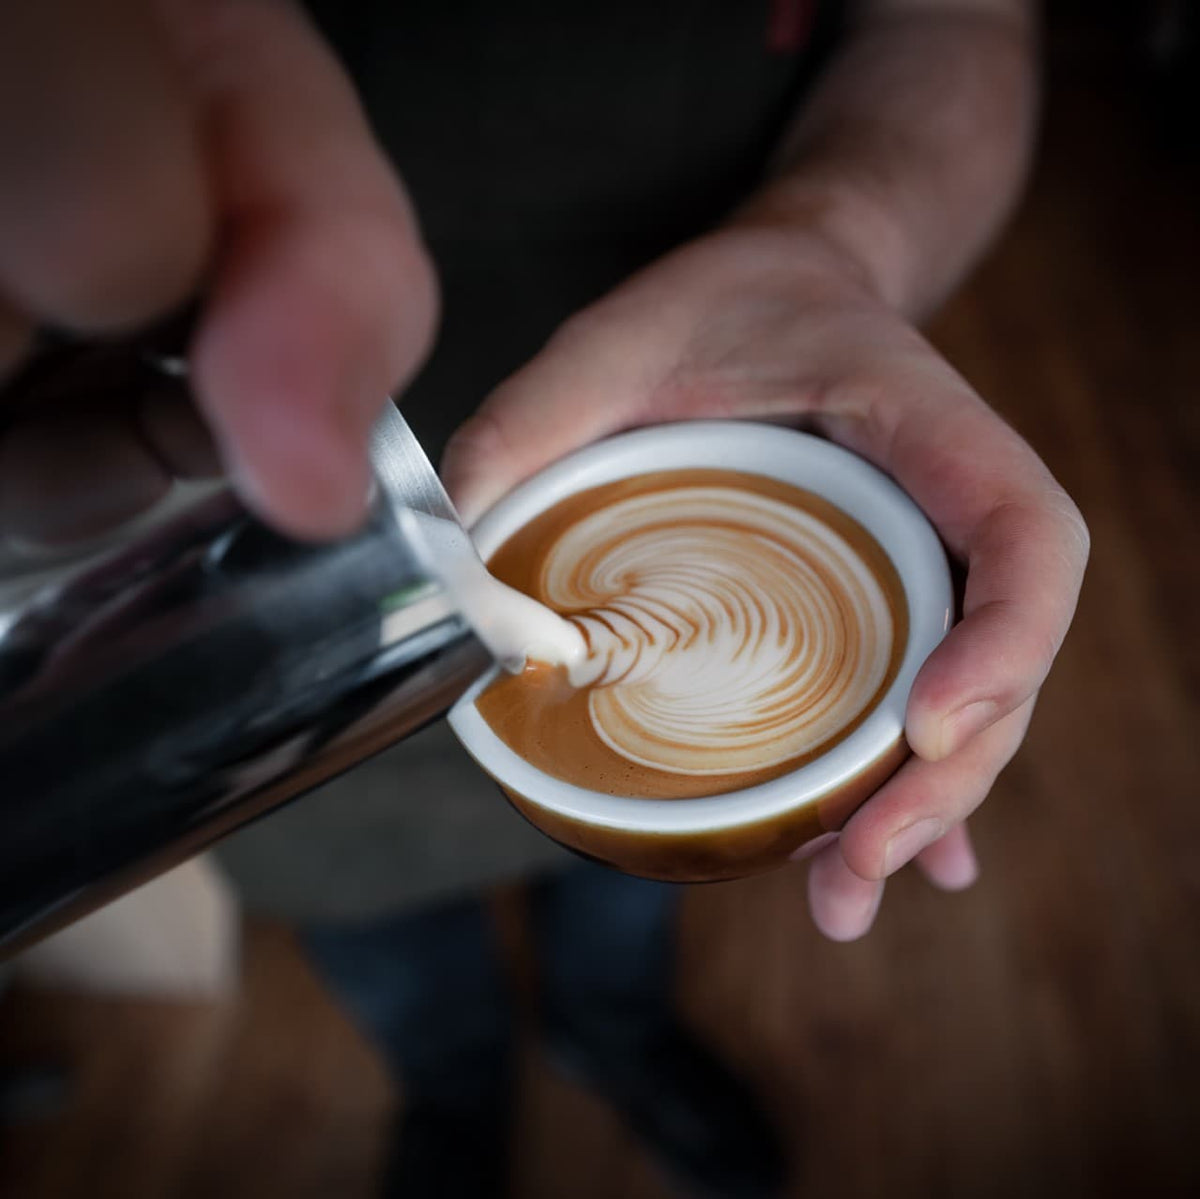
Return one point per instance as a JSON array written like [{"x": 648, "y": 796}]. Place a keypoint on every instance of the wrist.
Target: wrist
[{"x": 863, "y": 236}]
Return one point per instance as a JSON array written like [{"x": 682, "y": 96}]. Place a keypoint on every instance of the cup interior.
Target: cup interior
[{"x": 802, "y": 460}]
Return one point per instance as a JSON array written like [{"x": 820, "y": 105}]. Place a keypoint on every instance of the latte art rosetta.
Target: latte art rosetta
[
  {"x": 727, "y": 631},
  {"x": 734, "y": 627}
]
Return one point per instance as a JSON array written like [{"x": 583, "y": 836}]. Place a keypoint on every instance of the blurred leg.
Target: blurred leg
[
  {"x": 607, "y": 958},
  {"x": 428, "y": 988},
  {"x": 606, "y": 945}
]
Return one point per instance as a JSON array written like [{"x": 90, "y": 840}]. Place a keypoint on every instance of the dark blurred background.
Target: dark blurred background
[{"x": 1037, "y": 1036}]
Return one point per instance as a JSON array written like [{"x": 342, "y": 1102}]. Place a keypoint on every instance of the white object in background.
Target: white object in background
[{"x": 177, "y": 937}]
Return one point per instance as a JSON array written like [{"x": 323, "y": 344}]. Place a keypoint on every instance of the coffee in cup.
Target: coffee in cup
[{"x": 753, "y": 604}]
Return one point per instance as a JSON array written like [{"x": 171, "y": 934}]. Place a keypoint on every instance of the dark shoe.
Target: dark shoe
[
  {"x": 699, "y": 1120},
  {"x": 450, "y": 1151}
]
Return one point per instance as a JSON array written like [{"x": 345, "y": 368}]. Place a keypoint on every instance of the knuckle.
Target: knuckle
[
  {"x": 1069, "y": 524},
  {"x": 1030, "y": 667},
  {"x": 1042, "y": 646},
  {"x": 481, "y": 439}
]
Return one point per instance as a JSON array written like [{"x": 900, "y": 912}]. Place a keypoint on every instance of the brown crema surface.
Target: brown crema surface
[{"x": 546, "y": 720}]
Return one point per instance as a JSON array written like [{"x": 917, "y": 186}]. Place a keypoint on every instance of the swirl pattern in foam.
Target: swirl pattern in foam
[
  {"x": 736, "y": 626},
  {"x": 727, "y": 630}
]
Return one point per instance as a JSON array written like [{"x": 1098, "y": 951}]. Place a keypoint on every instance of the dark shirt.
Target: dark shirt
[{"x": 553, "y": 148}]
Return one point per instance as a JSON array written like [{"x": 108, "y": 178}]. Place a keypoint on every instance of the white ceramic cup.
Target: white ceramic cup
[{"x": 757, "y": 827}]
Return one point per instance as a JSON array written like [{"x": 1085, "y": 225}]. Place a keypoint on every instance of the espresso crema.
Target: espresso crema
[{"x": 734, "y": 628}]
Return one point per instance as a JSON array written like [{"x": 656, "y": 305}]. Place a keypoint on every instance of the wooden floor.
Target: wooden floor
[{"x": 1038, "y": 1036}]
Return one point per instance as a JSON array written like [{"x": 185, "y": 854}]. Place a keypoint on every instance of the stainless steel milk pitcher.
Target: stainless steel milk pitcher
[{"x": 164, "y": 681}]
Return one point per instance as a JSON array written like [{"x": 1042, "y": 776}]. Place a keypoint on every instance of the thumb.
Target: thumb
[{"x": 584, "y": 385}]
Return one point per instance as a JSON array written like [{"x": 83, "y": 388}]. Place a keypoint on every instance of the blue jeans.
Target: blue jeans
[{"x": 429, "y": 987}]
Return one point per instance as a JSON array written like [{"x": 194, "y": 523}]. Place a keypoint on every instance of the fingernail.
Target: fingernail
[
  {"x": 908, "y": 842},
  {"x": 848, "y": 919},
  {"x": 960, "y": 726},
  {"x": 961, "y": 872}
]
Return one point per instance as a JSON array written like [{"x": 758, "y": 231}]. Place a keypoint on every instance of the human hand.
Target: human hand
[
  {"x": 758, "y": 322},
  {"x": 154, "y": 149}
]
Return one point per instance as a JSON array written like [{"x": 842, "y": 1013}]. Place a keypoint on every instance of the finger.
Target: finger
[
  {"x": 924, "y": 800},
  {"x": 950, "y": 862},
  {"x": 998, "y": 507},
  {"x": 526, "y": 422},
  {"x": 104, "y": 208},
  {"x": 1025, "y": 564},
  {"x": 843, "y": 905},
  {"x": 324, "y": 300}
]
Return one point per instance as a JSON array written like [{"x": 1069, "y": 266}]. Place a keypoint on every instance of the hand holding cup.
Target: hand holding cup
[{"x": 758, "y": 324}]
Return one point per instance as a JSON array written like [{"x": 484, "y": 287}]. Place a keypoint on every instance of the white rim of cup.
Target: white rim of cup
[{"x": 775, "y": 452}]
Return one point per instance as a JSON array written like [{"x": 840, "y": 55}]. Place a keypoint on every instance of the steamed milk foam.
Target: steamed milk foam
[{"x": 723, "y": 629}]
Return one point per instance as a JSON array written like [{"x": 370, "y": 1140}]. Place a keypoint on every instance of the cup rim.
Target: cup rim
[{"x": 851, "y": 483}]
